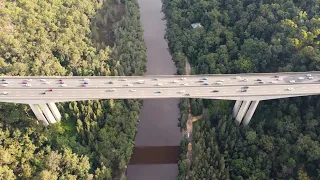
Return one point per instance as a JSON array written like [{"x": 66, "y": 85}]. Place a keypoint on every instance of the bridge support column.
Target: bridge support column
[
  {"x": 36, "y": 110},
  {"x": 46, "y": 111},
  {"x": 236, "y": 108},
  {"x": 250, "y": 113},
  {"x": 242, "y": 111},
  {"x": 54, "y": 111}
]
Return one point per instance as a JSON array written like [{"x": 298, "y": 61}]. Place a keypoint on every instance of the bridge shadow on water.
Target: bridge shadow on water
[{"x": 155, "y": 155}]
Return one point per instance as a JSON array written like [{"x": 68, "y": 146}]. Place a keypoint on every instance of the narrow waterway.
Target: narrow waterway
[{"x": 158, "y": 117}]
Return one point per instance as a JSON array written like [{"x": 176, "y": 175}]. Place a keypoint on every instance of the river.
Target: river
[{"x": 158, "y": 117}]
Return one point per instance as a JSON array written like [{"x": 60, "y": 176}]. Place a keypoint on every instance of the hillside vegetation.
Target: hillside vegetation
[
  {"x": 238, "y": 36},
  {"x": 76, "y": 37}
]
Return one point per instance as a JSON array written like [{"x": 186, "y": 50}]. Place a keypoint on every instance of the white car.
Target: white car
[
  {"x": 29, "y": 80},
  {"x": 289, "y": 89},
  {"x": 133, "y": 90},
  {"x": 185, "y": 84},
  {"x": 183, "y": 78},
  {"x": 245, "y": 80},
  {"x": 175, "y": 81},
  {"x": 219, "y": 82},
  {"x": 85, "y": 79},
  {"x": 42, "y": 80},
  {"x": 238, "y": 77},
  {"x": 4, "y": 85},
  {"x": 273, "y": 82},
  {"x": 28, "y": 85},
  {"x": 141, "y": 81},
  {"x": 310, "y": 78},
  {"x": 292, "y": 81},
  {"x": 5, "y": 93},
  {"x": 301, "y": 78},
  {"x": 159, "y": 84},
  {"x": 63, "y": 85},
  {"x": 111, "y": 90},
  {"x": 130, "y": 85},
  {"x": 309, "y": 75},
  {"x": 6, "y": 82}
]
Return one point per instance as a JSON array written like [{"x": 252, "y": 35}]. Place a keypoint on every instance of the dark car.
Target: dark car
[{"x": 215, "y": 91}]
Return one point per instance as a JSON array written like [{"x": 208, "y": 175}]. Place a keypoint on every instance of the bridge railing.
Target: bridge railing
[{"x": 169, "y": 76}]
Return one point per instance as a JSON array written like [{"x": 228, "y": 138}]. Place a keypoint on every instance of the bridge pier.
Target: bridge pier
[
  {"x": 243, "y": 111},
  {"x": 47, "y": 113},
  {"x": 236, "y": 108},
  {"x": 250, "y": 112},
  {"x": 37, "y": 111},
  {"x": 55, "y": 111}
]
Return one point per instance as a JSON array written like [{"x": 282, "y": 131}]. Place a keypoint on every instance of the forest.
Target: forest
[
  {"x": 94, "y": 140},
  {"x": 282, "y": 140}
]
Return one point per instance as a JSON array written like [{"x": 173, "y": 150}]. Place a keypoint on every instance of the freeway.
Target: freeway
[{"x": 232, "y": 87}]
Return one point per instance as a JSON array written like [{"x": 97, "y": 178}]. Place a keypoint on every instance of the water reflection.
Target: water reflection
[{"x": 155, "y": 155}]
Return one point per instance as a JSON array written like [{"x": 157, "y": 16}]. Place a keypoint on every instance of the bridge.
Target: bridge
[{"x": 41, "y": 93}]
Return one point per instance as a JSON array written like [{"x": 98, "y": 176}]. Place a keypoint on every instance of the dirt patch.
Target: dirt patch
[
  {"x": 188, "y": 68},
  {"x": 155, "y": 155}
]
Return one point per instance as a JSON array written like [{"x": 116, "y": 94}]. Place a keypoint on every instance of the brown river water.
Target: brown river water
[{"x": 156, "y": 143}]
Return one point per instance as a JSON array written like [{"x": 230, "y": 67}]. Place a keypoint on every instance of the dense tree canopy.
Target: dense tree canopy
[
  {"x": 282, "y": 140},
  {"x": 76, "y": 37}
]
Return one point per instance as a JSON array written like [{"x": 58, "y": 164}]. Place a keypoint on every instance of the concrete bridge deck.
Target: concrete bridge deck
[{"x": 246, "y": 89}]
